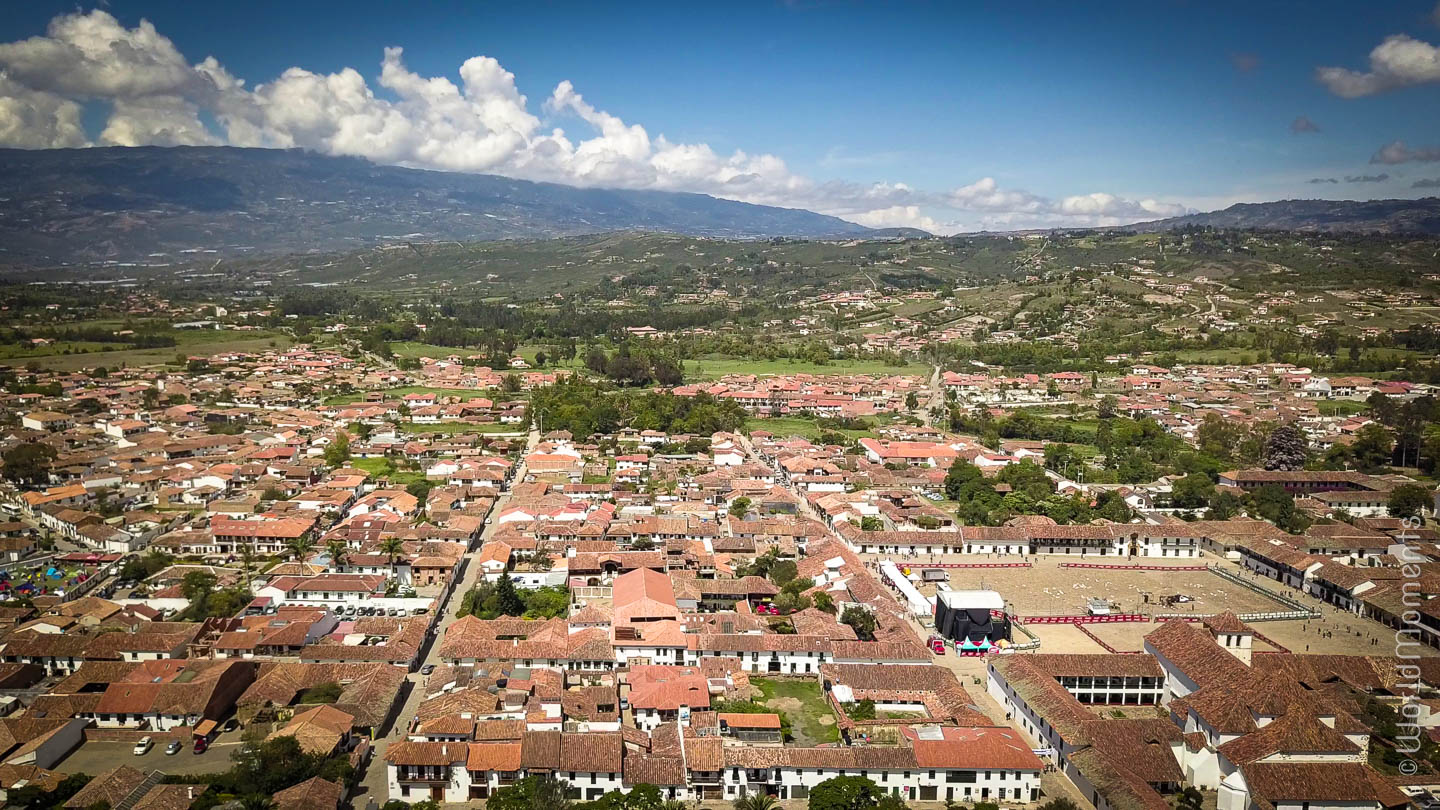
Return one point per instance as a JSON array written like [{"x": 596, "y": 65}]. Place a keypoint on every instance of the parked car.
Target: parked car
[
  {"x": 427, "y": 669},
  {"x": 144, "y": 746},
  {"x": 230, "y": 725},
  {"x": 201, "y": 744},
  {"x": 173, "y": 748}
]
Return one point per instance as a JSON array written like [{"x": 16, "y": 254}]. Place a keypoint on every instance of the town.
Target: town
[{"x": 434, "y": 581}]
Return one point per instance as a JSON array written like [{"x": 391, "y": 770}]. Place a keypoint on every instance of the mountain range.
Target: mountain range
[
  {"x": 1420, "y": 216},
  {"x": 149, "y": 203},
  {"x": 158, "y": 205}
]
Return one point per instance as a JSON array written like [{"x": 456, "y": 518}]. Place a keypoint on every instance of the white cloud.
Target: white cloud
[
  {"x": 482, "y": 123},
  {"x": 1399, "y": 61},
  {"x": 35, "y": 119},
  {"x": 1397, "y": 152}
]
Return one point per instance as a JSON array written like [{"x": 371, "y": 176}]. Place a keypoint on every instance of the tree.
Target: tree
[
  {"x": 337, "y": 551},
  {"x": 35, "y": 797},
  {"x": 392, "y": 548},
  {"x": 197, "y": 586},
  {"x": 1223, "y": 506},
  {"x": 338, "y": 451},
  {"x": 783, "y": 572},
  {"x": 272, "y": 494},
  {"x": 756, "y": 801},
  {"x": 960, "y": 475},
  {"x": 824, "y": 602},
  {"x": 740, "y": 507},
  {"x": 861, "y": 620},
  {"x": 300, "y": 547},
  {"x": 871, "y": 523},
  {"x": 532, "y": 793},
  {"x": 845, "y": 793},
  {"x": 1278, "y": 506},
  {"x": 29, "y": 463},
  {"x": 1372, "y": 447},
  {"x": 1194, "y": 491},
  {"x": 508, "y": 599},
  {"x": 1189, "y": 799},
  {"x": 1408, "y": 500},
  {"x": 1286, "y": 449}
]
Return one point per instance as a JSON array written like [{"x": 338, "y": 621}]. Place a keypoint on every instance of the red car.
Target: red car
[
  {"x": 201, "y": 744},
  {"x": 937, "y": 645}
]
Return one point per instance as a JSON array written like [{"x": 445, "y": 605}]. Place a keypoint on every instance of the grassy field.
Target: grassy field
[
  {"x": 465, "y": 427},
  {"x": 811, "y": 720},
  {"x": 382, "y": 467},
  {"x": 709, "y": 368},
  {"x": 1340, "y": 407},
  {"x": 797, "y": 426},
  {"x": 220, "y": 342},
  {"x": 393, "y": 393}
]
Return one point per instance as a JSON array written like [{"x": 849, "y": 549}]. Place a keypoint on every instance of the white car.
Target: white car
[{"x": 143, "y": 746}]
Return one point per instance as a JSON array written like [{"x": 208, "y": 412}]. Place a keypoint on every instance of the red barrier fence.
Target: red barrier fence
[
  {"x": 1137, "y": 567},
  {"x": 1087, "y": 619},
  {"x": 922, "y": 566}
]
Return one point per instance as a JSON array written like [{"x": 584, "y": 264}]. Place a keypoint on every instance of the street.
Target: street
[{"x": 372, "y": 783}]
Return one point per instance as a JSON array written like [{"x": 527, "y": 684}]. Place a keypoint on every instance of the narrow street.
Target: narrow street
[{"x": 372, "y": 784}]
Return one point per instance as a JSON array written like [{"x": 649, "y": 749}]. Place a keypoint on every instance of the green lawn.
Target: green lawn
[
  {"x": 811, "y": 720},
  {"x": 198, "y": 342},
  {"x": 1340, "y": 407},
  {"x": 463, "y": 427},
  {"x": 396, "y": 393},
  {"x": 412, "y": 349},
  {"x": 707, "y": 368},
  {"x": 381, "y": 467}
]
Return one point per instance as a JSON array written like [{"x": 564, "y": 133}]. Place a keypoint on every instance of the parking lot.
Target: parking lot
[{"x": 98, "y": 757}]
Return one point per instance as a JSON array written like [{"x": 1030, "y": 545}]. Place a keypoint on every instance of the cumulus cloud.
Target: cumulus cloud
[
  {"x": 1399, "y": 61},
  {"x": 1397, "y": 152},
  {"x": 35, "y": 119},
  {"x": 1315, "y": 180},
  {"x": 1429, "y": 182},
  {"x": 1302, "y": 125},
  {"x": 480, "y": 123}
]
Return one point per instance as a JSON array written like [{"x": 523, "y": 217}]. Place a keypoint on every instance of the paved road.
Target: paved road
[{"x": 373, "y": 782}]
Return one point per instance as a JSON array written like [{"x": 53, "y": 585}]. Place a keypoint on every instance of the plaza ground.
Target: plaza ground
[{"x": 1048, "y": 589}]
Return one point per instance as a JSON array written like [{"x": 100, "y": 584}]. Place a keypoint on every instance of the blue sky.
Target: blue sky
[{"x": 954, "y": 116}]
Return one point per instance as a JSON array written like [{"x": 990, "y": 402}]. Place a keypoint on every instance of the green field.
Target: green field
[
  {"x": 709, "y": 368},
  {"x": 393, "y": 393},
  {"x": 465, "y": 427},
  {"x": 382, "y": 467},
  {"x": 1340, "y": 407},
  {"x": 811, "y": 720},
  {"x": 212, "y": 343}
]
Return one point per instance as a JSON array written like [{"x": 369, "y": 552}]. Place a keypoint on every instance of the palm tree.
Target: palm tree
[
  {"x": 247, "y": 561},
  {"x": 392, "y": 548},
  {"x": 301, "y": 546},
  {"x": 756, "y": 801},
  {"x": 337, "y": 551},
  {"x": 256, "y": 801}
]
